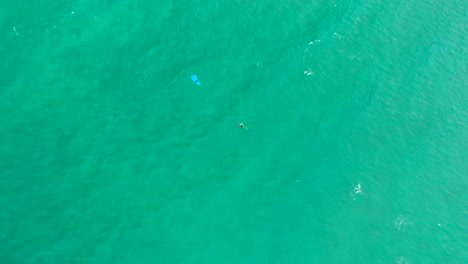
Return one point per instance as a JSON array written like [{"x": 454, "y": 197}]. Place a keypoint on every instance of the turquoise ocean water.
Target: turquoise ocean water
[{"x": 355, "y": 149}]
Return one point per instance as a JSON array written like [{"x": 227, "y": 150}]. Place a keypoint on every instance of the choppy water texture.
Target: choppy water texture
[{"x": 355, "y": 152}]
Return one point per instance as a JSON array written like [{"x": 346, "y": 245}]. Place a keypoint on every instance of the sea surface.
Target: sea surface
[{"x": 354, "y": 148}]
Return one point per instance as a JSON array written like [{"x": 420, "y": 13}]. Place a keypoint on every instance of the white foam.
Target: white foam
[
  {"x": 357, "y": 190},
  {"x": 315, "y": 41}
]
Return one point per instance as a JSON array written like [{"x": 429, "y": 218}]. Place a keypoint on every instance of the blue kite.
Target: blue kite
[{"x": 195, "y": 79}]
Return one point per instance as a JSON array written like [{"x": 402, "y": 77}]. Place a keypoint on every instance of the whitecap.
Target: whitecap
[{"x": 357, "y": 190}]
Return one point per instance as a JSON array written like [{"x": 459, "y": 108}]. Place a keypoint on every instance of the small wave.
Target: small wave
[
  {"x": 315, "y": 41},
  {"x": 357, "y": 190},
  {"x": 402, "y": 260},
  {"x": 336, "y": 35},
  {"x": 16, "y": 31},
  {"x": 401, "y": 223}
]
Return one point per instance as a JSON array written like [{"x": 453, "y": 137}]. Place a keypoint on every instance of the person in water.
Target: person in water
[{"x": 241, "y": 125}]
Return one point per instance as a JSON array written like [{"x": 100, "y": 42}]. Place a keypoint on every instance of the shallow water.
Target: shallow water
[{"x": 355, "y": 150}]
